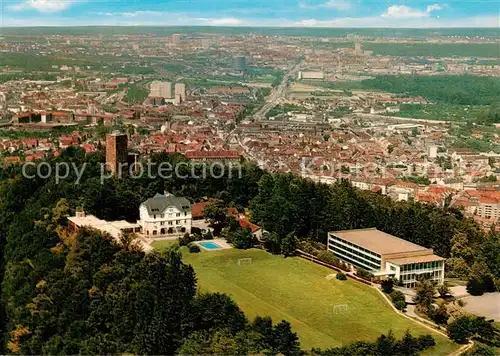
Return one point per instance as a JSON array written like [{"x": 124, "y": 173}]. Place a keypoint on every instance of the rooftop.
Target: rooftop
[
  {"x": 114, "y": 228},
  {"x": 197, "y": 209},
  {"x": 415, "y": 259},
  {"x": 160, "y": 202},
  {"x": 377, "y": 241}
]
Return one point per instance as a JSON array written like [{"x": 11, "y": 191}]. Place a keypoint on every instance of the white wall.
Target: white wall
[{"x": 171, "y": 217}]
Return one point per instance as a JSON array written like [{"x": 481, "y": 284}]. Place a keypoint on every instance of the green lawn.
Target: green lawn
[
  {"x": 136, "y": 94},
  {"x": 446, "y": 112},
  {"x": 160, "y": 245},
  {"x": 297, "y": 290}
]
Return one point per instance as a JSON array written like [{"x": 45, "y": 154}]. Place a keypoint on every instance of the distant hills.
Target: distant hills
[{"x": 273, "y": 31}]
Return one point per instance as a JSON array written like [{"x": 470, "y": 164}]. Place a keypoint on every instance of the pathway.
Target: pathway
[{"x": 425, "y": 323}]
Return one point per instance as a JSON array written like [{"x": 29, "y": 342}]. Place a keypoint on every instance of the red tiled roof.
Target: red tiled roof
[
  {"x": 60, "y": 113},
  {"x": 89, "y": 148},
  {"x": 35, "y": 156},
  {"x": 212, "y": 154},
  {"x": 489, "y": 200},
  {"x": 198, "y": 208},
  {"x": 244, "y": 224},
  {"x": 13, "y": 159},
  {"x": 232, "y": 212},
  {"x": 66, "y": 140}
]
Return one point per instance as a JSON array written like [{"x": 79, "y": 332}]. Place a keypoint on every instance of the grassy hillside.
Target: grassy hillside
[{"x": 297, "y": 290}]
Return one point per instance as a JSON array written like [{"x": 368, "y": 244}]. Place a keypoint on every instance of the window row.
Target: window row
[
  {"x": 354, "y": 245},
  {"x": 177, "y": 222},
  {"x": 349, "y": 257},
  {"x": 413, "y": 277},
  {"x": 353, "y": 262},
  {"x": 422, "y": 265},
  {"x": 355, "y": 252},
  {"x": 161, "y": 216}
]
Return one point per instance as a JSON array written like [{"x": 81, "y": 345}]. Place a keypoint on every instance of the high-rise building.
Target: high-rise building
[
  {"x": 161, "y": 90},
  {"x": 180, "y": 90},
  {"x": 432, "y": 151},
  {"x": 3, "y": 100},
  {"x": 91, "y": 109},
  {"x": 116, "y": 153},
  {"x": 154, "y": 89},
  {"x": 358, "y": 48},
  {"x": 176, "y": 37},
  {"x": 240, "y": 63}
]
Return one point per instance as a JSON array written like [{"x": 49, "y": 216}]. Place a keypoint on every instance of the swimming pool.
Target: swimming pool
[{"x": 210, "y": 245}]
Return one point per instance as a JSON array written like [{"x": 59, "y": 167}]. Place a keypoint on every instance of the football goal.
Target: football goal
[
  {"x": 340, "y": 308},
  {"x": 244, "y": 261}
]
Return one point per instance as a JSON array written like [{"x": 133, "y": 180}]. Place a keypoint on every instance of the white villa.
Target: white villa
[{"x": 165, "y": 215}]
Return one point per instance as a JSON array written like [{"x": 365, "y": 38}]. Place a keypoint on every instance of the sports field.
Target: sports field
[{"x": 297, "y": 290}]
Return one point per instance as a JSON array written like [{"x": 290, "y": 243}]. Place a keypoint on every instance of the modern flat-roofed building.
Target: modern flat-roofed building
[
  {"x": 180, "y": 91},
  {"x": 114, "y": 228},
  {"x": 385, "y": 255},
  {"x": 161, "y": 90}
]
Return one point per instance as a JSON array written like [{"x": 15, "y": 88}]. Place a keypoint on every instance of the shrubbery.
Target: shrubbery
[
  {"x": 465, "y": 327},
  {"x": 194, "y": 248},
  {"x": 397, "y": 296},
  {"x": 398, "y": 300},
  {"x": 319, "y": 251},
  {"x": 362, "y": 273},
  {"x": 241, "y": 238},
  {"x": 341, "y": 276},
  {"x": 387, "y": 285},
  {"x": 425, "y": 341},
  {"x": 327, "y": 257},
  {"x": 386, "y": 345},
  {"x": 186, "y": 239},
  {"x": 400, "y": 305},
  {"x": 440, "y": 314}
]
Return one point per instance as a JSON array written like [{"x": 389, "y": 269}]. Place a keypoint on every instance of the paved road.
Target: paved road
[
  {"x": 397, "y": 118},
  {"x": 276, "y": 94},
  {"x": 487, "y": 305}
]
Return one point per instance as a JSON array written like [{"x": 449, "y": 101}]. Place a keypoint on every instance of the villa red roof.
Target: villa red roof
[
  {"x": 35, "y": 156},
  {"x": 244, "y": 223},
  {"x": 12, "y": 159},
  {"x": 198, "y": 208}
]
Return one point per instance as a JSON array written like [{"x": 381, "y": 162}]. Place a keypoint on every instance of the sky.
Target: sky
[{"x": 276, "y": 13}]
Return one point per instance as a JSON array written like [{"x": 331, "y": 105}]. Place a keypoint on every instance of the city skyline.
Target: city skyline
[{"x": 282, "y": 13}]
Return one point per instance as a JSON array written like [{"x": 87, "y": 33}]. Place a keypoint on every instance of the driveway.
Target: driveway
[
  {"x": 459, "y": 291},
  {"x": 487, "y": 305}
]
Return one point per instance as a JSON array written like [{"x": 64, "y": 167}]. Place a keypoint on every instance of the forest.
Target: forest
[
  {"x": 288, "y": 205},
  {"x": 85, "y": 293},
  {"x": 66, "y": 293},
  {"x": 450, "y": 89}
]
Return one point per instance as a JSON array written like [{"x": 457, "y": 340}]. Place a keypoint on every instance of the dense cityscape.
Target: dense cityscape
[{"x": 329, "y": 191}]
